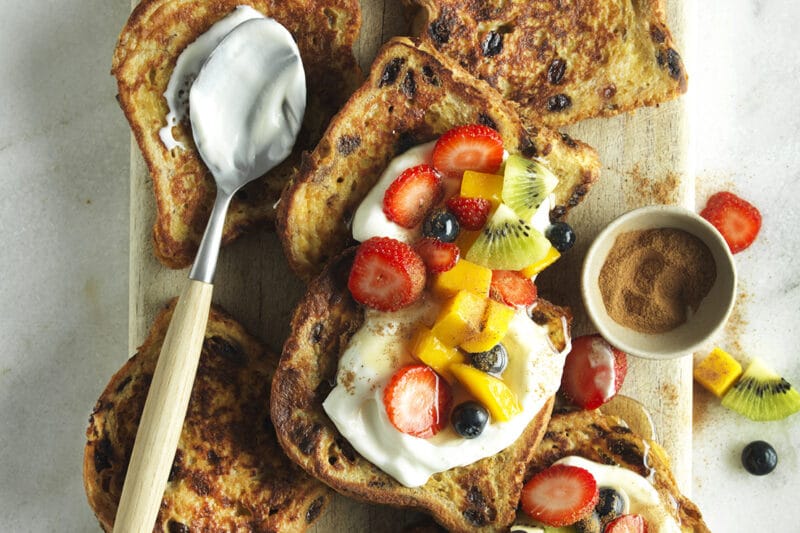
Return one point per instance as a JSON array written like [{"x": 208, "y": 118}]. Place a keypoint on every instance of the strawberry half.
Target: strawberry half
[
  {"x": 472, "y": 147},
  {"x": 512, "y": 288},
  {"x": 387, "y": 274},
  {"x": 472, "y": 213},
  {"x": 627, "y": 523},
  {"x": 417, "y": 401},
  {"x": 437, "y": 255},
  {"x": 560, "y": 495},
  {"x": 593, "y": 372},
  {"x": 412, "y": 194},
  {"x": 736, "y": 219}
]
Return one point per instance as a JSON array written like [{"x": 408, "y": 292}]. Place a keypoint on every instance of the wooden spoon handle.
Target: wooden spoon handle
[{"x": 164, "y": 411}]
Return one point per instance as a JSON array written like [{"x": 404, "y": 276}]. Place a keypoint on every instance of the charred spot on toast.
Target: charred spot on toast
[
  {"x": 429, "y": 75},
  {"x": 478, "y": 511},
  {"x": 492, "y": 44},
  {"x": 408, "y": 87},
  {"x": 556, "y": 71},
  {"x": 630, "y": 453},
  {"x": 391, "y": 71},
  {"x": 486, "y": 120},
  {"x": 103, "y": 454},
  {"x": 315, "y": 509},
  {"x": 173, "y": 526},
  {"x": 347, "y": 144},
  {"x": 441, "y": 28}
]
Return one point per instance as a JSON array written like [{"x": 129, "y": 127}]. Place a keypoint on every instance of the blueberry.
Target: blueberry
[
  {"x": 441, "y": 224},
  {"x": 493, "y": 361},
  {"x": 610, "y": 504},
  {"x": 759, "y": 458},
  {"x": 561, "y": 236},
  {"x": 469, "y": 419}
]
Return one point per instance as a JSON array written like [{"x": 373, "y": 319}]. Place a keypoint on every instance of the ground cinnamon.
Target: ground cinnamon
[{"x": 651, "y": 278}]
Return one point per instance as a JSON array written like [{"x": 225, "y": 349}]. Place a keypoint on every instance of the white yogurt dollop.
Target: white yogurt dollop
[
  {"x": 380, "y": 347},
  {"x": 188, "y": 66}
]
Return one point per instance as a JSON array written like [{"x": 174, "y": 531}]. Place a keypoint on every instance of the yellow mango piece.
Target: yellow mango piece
[
  {"x": 493, "y": 328},
  {"x": 466, "y": 238},
  {"x": 717, "y": 372},
  {"x": 433, "y": 352},
  {"x": 460, "y": 318},
  {"x": 491, "y": 392},
  {"x": 464, "y": 276},
  {"x": 480, "y": 185},
  {"x": 531, "y": 270}
]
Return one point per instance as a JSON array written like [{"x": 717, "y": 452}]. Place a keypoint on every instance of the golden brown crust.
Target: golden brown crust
[
  {"x": 149, "y": 45},
  {"x": 229, "y": 473},
  {"x": 607, "y": 439},
  {"x": 411, "y": 97},
  {"x": 479, "y": 497},
  {"x": 561, "y": 62}
]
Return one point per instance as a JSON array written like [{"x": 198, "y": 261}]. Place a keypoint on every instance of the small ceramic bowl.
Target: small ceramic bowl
[{"x": 710, "y": 316}]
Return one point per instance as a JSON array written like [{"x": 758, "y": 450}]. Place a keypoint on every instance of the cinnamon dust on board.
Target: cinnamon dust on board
[{"x": 651, "y": 278}]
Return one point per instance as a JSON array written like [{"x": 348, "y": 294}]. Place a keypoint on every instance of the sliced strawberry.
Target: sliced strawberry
[
  {"x": 412, "y": 194},
  {"x": 560, "y": 495},
  {"x": 472, "y": 213},
  {"x": 512, "y": 288},
  {"x": 417, "y": 401},
  {"x": 437, "y": 255},
  {"x": 737, "y": 220},
  {"x": 627, "y": 523},
  {"x": 471, "y": 147},
  {"x": 386, "y": 275},
  {"x": 593, "y": 372}
]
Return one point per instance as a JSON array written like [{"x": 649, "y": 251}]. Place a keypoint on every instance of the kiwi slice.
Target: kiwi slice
[
  {"x": 761, "y": 394},
  {"x": 507, "y": 242},
  {"x": 526, "y": 184}
]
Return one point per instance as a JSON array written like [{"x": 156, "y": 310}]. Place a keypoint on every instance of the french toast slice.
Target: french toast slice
[
  {"x": 482, "y": 496},
  {"x": 411, "y": 97},
  {"x": 229, "y": 473},
  {"x": 145, "y": 56},
  {"x": 607, "y": 439},
  {"x": 561, "y": 62}
]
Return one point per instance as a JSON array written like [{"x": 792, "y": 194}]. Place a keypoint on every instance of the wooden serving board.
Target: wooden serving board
[{"x": 645, "y": 161}]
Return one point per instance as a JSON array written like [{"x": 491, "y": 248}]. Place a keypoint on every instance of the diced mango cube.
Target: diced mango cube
[
  {"x": 466, "y": 238},
  {"x": 491, "y": 392},
  {"x": 433, "y": 352},
  {"x": 460, "y": 318},
  {"x": 493, "y": 328},
  {"x": 717, "y": 372},
  {"x": 480, "y": 185},
  {"x": 464, "y": 276},
  {"x": 531, "y": 270}
]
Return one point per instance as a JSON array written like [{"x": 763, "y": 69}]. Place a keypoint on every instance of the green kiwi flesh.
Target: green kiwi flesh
[
  {"x": 507, "y": 242},
  {"x": 761, "y": 394},
  {"x": 526, "y": 184}
]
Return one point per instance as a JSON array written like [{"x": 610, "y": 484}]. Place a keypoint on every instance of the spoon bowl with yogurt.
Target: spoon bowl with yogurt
[{"x": 246, "y": 106}]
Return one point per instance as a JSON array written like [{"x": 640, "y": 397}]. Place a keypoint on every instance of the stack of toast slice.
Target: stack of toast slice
[
  {"x": 520, "y": 68},
  {"x": 229, "y": 473},
  {"x": 149, "y": 46},
  {"x": 561, "y": 62}
]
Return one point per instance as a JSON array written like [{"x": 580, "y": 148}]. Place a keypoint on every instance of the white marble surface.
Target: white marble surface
[{"x": 64, "y": 160}]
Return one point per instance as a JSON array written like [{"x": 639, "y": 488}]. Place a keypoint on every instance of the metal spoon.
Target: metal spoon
[{"x": 246, "y": 106}]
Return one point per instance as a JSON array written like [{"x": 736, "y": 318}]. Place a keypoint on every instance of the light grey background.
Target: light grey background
[{"x": 64, "y": 194}]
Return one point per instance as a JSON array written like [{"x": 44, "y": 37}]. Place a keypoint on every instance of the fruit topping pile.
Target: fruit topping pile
[
  {"x": 757, "y": 393},
  {"x": 477, "y": 256},
  {"x": 565, "y": 495}
]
